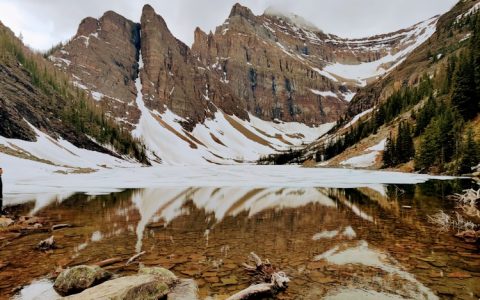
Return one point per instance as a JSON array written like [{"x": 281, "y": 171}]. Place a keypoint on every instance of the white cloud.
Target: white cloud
[{"x": 44, "y": 23}]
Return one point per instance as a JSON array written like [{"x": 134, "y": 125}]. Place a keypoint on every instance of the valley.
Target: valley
[{"x": 349, "y": 165}]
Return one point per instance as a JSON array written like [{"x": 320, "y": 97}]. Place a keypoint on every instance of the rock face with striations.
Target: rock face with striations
[
  {"x": 255, "y": 64},
  {"x": 277, "y": 63},
  {"x": 102, "y": 59},
  {"x": 173, "y": 78},
  {"x": 273, "y": 66}
]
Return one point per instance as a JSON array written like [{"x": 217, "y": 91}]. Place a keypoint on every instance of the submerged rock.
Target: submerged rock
[
  {"x": 145, "y": 287},
  {"x": 80, "y": 278}
]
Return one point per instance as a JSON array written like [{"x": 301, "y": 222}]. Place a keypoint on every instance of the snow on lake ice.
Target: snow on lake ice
[{"x": 24, "y": 179}]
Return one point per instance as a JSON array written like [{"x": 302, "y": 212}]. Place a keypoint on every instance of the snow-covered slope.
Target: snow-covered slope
[
  {"x": 351, "y": 61},
  {"x": 408, "y": 40},
  {"x": 223, "y": 139},
  {"x": 55, "y": 153}
]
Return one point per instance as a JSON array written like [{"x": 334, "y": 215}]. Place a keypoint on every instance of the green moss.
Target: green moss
[
  {"x": 79, "y": 278},
  {"x": 148, "y": 291},
  {"x": 163, "y": 275}
]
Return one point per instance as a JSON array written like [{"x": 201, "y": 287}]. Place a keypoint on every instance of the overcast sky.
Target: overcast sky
[{"x": 44, "y": 23}]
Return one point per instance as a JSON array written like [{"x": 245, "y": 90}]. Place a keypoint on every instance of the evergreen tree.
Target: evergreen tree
[
  {"x": 464, "y": 91},
  {"x": 429, "y": 149},
  {"x": 388, "y": 152},
  {"x": 405, "y": 146},
  {"x": 425, "y": 115},
  {"x": 475, "y": 52},
  {"x": 470, "y": 154},
  {"x": 401, "y": 149}
]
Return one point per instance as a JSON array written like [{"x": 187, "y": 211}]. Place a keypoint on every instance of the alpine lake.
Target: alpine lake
[{"x": 354, "y": 243}]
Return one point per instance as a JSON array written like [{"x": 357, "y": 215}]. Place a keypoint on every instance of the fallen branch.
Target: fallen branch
[
  {"x": 108, "y": 262},
  {"x": 253, "y": 290},
  {"x": 135, "y": 257},
  {"x": 60, "y": 226},
  {"x": 267, "y": 278}
]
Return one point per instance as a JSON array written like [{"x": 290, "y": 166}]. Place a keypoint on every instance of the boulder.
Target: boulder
[
  {"x": 5, "y": 222},
  {"x": 162, "y": 274},
  {"x": 145, "y": 287},
  {"x": 80, "y": 278},
  {"x": 185, "y": 289}
]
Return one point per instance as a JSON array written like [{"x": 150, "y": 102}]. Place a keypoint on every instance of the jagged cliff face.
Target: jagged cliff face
[
  {"x": 102, "y": 59},
  {"x": 287, "y": 69},
  {"x": 271, "y": 66},
  {"x": 173, "y": 78},
  {"x": 226, "y": 98},
  {"x": 35, "y": 106},
  {"x": 258, "y": 67}
]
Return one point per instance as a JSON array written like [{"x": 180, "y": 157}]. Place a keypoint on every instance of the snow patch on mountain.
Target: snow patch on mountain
[
  {"x": 361, "y": 73},
  {"x": 357, "y": 117},
  {"x": 223, "y": 139},
  {"x": 471, "y": 11},
  {"x": 366, "y": 160},
  {"x": 324, "y": 93},
  {"x": 325, "y": 74},
  {"x": 361, "y": 161}
]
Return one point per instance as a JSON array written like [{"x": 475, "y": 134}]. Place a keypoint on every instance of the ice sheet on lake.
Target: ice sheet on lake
[{"x": 23, "y": 181}]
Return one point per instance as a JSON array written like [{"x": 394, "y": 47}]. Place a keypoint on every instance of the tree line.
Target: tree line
[
  {"x": 69, "y": 103},
  {"x": 446, "y": 141}
]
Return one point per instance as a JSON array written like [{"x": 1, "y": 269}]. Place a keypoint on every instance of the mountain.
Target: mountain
[
  {"x": 257, "y": 85},
  {"x": 40, "y": 109},
  {"x": 429, "y": 102}
]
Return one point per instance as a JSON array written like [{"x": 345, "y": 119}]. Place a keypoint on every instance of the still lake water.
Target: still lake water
[{"x": 363, "y": 243}]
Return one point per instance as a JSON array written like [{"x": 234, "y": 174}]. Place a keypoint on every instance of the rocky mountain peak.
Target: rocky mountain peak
[
  {"x": 148, "y": 9},
  {"x": 149, "y": 15},
  {"x": 113, "y": 17},
  {"x": 242, "y": 11},
  {"x": 87, "y": 26},
  {"x": 96, "y": 64},
  {"x": 199, "y": 35},
  {"x": 272, "y": 66}
]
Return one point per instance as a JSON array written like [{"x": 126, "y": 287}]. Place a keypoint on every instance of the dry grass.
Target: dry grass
[
  {"x": 20, "y": 153},
  {"x": 467, "y": 203},
  {"x": 445, "y": 222}
]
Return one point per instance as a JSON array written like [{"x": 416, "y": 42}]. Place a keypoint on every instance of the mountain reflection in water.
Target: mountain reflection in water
[{"x": 333, "y": 243}]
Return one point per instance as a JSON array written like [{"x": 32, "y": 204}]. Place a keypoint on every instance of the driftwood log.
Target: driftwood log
[{"x": 267, "y": 279}]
